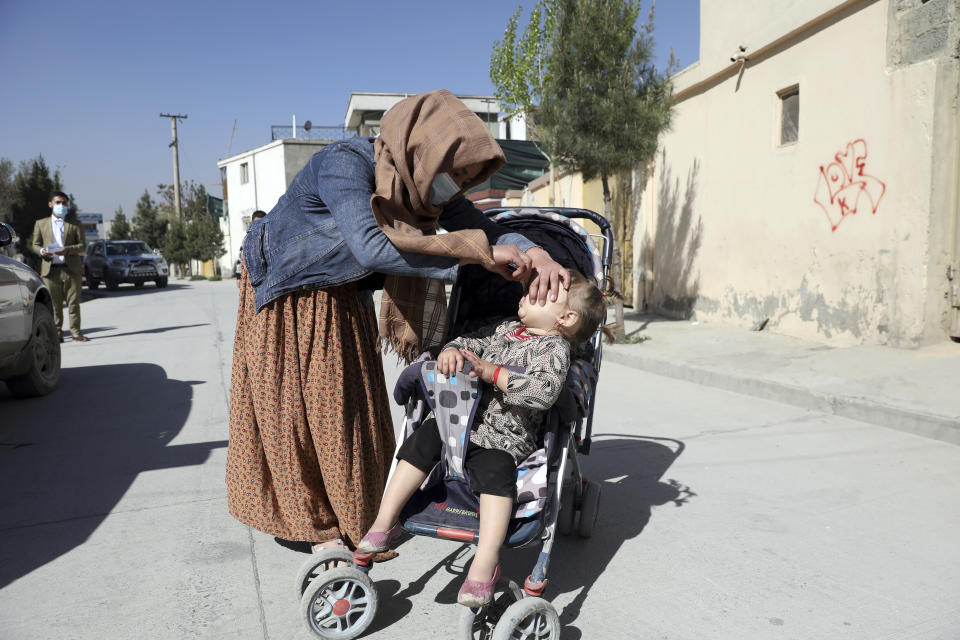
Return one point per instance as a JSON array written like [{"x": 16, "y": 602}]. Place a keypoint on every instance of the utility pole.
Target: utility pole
[{"x": 176, "y": 162}]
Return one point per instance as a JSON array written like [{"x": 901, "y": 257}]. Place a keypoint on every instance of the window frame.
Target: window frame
[{"x": 782, "y": 96}]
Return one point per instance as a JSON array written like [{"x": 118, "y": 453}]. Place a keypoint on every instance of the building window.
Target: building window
[
  {"x": 244, "y": 173},
  {"x": 789, "y": 100}
]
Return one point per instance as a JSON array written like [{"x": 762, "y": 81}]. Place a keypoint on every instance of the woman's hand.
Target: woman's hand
[
  {"x": 449, "y": 361},
  {"x": 481, "y": 368},
  {"x": 548, "y": 276},
  {"x": 506, "y": 254}
]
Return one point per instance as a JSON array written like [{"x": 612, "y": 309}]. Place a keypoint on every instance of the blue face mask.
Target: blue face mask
[
  {"x": 443, "y": 189},
  {"x": 60, "y": 210}
]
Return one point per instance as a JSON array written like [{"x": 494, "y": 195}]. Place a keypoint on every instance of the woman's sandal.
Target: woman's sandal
[
  {"x": 475, "y": 594},
  {"x": 378, "y": 541},
  {"x": 335, "y": 543}
]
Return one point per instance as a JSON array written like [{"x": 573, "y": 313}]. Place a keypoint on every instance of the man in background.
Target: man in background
[
  {"x": 60, "y": 244},
  {"x": 238, "y": 270}
]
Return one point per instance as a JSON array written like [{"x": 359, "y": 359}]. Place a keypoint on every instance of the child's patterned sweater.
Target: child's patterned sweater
[{"x": 509, "y": 421}]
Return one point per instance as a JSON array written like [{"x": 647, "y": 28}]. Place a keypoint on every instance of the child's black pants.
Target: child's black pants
[{"x": 491, "y": 471}]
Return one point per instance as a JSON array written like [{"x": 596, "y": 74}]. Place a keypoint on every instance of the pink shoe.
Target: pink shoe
[
  {"x": 377, "y": 541},
  {"x": 475, "y": 594}
]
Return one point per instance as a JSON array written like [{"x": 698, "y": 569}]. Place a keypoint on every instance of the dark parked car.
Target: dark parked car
[
  {"x": 29, "y": 342},
  {"x": 116, "y": 261}
]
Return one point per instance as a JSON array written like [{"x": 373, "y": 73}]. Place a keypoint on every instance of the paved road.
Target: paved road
[{"x": 772, "y": 522}]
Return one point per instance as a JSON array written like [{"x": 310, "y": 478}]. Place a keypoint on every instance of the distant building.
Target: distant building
[
  {"x": 92, "y": 226},
  {"x": 256, "y": 179},
  {"x": 365, "y": 109}
]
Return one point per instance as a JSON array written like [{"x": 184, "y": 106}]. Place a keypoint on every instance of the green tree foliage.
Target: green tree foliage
[
  {"x": 584, "y": 76},
  {"x": 205, "y": 239},
  {"x": 606, "y": 103},
  {"x": 518, "y": 68},
  {"x": 26, "y": 199},
  {"x": 520, "y": 71},
  {"x": 6, "y": 189},
  {"x": 174, "y": 244},
  {"x": 202, "y": 236},
  {"x": 148, "y": 225},
  {"x": 120, "y": 229}
]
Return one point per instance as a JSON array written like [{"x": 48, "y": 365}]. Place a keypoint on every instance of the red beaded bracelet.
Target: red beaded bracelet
[{"x": 496, "y": 373}]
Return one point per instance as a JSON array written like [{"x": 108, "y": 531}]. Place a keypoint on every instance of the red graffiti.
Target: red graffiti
[{"x": 843, "y": 183}]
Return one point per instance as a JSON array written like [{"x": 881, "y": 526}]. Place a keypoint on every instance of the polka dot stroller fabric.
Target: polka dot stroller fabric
[{"x": 453, "y": 400}]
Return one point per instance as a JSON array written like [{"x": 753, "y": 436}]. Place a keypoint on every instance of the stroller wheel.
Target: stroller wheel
[
  {"x": 528, "y": 619},
  {"x": 567, "y": 513},
  {"x": 589, "y": 509},
  {"x": 478, "y": 624},
  {"x": 339, "y": 604},
  {"x": 318, "y": 563}
]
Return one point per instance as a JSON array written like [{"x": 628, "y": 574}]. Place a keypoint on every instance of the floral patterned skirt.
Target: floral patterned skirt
[{"x": 311, "y": 439}]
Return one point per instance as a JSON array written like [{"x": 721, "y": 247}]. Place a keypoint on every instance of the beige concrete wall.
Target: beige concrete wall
[
  {"x": 728, "y": 24},
  {"x": 730, "y": 228}
]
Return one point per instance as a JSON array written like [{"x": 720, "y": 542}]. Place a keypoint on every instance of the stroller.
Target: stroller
[{"x": 339, "y": 601}]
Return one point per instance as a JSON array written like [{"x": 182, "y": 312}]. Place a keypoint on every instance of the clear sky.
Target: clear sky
[{"x": 84, "y": 82}]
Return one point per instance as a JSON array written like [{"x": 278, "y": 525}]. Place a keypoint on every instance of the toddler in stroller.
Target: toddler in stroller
[
  {"x": 510, "y": 419},
  {"x": 526, "y": 366}
]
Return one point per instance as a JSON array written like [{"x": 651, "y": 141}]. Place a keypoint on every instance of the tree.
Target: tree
[
  {"x": 120, "y": 229},
  {"x": 202, "y": 238},
  {"x": 605, "y": 103},
  {"x": 205, "y": 238},
  {"x": 174, "y": 245},
  {"x": 519, "y": 72},
  {"x": 147, "y": 223},
  {"x": 28, "y": 201},
  {"x": 6, "y": 189}
]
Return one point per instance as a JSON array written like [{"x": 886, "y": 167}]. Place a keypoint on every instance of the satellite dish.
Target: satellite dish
[{"x": 307, "y": 125}]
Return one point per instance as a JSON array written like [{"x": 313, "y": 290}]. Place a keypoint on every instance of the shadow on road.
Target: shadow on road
[
  {"x": 67, "y": 459},
  {"x": 128, "y": 290},
  {"x": 154, "y": 330},
  {"x": 85, "y": 330},
  {"x": 630, "y": 471}
]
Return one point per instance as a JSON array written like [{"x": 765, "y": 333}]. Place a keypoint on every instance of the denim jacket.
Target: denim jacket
[{"x": 322, "y": 231}]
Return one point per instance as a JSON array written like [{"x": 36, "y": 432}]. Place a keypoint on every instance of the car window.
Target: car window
[{"x": 127, "y": 248}]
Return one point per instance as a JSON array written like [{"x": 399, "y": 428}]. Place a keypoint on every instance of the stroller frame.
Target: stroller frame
[{"x": 558, "y": 516}]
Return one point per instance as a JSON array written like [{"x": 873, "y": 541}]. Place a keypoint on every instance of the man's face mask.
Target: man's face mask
[
  {"x": 443, "y": 189},
  {"x": 60, "y": 210}
]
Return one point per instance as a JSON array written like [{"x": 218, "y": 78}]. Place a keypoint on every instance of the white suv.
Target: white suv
[{"x": 29, "y": 342}]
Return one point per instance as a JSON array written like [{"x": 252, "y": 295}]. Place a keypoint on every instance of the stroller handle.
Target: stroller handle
[{"x": 573, "y": 212}]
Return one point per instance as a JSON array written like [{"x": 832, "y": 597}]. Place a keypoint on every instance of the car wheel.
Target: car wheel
[
  {"x": 161, "y": 283},
  {"x": 138, "y": 285},
  {"x": 92, "y": 283},
  {"x": 44, "y": 351},
  {"x": 110, "y": 281}
]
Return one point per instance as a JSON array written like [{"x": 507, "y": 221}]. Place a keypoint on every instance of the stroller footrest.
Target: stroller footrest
[{"x": 534, "y": 589}]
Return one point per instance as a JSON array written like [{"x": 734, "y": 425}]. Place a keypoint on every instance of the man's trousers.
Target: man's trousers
[{"x": 64, "y": 284}]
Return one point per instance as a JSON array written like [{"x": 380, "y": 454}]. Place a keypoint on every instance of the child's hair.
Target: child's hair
[{"x": 590, "y": 303}]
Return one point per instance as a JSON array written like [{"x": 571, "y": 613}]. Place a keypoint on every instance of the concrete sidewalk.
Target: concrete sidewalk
[{"x": 910, "y": 390}]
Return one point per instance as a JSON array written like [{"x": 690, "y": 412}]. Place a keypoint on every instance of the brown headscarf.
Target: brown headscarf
[{"x": 422, "y": 136}]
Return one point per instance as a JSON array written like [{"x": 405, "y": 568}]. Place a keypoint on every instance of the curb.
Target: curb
[{"x": 870, "y": 410}]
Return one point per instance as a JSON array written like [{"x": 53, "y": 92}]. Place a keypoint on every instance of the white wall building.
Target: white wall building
[
  {"x": 811, "y": 173},
  {"x": 256, "y": 179},
  {"x": 364, "y": 110}
]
